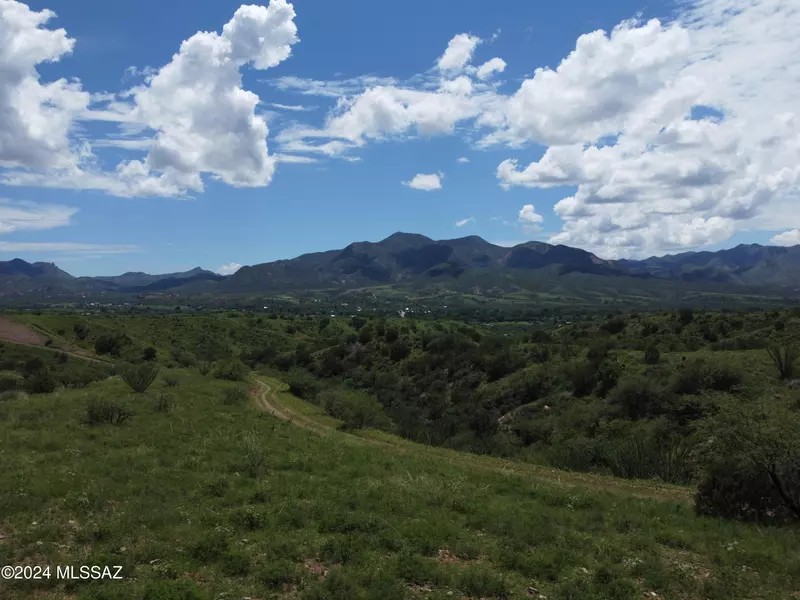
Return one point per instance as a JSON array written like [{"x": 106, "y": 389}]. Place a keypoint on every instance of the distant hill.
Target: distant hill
[
  {"x": 416, "y": 261},
  {"x": 747, "y": 264},
  {"x": 19, "y": 278},
  {"x": 404, "y": 257}
]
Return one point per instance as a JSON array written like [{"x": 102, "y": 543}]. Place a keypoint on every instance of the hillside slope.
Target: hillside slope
[{"x": 215, "y": 499}]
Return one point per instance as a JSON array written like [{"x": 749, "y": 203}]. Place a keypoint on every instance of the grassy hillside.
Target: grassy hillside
[{"x": 218, "y": 499}]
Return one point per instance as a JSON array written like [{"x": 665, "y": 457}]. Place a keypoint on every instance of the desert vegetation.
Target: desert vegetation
[{"x": 694, "y": 408}]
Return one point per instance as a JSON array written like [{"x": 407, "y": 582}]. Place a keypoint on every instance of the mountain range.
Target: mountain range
[{"x": 407, "y": 259}]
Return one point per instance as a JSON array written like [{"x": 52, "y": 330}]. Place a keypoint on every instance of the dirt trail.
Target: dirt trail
[
  {"x": 15, "y": 332},
  {"x": 269, "y": 401}
]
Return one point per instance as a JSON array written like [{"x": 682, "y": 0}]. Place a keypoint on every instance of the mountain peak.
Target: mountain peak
[{"x": 401, "y": 236}]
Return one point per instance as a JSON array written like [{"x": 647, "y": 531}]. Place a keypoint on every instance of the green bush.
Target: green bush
[
  {"x": 697, "y": 375},
  {"x": 231, "y": 369},
  {"x": 41, "y": 382},
  {"x": 149, "y": 353},
  {"x": 641, "y": 456},
  {"x": 10, "y": 381},
  {"x": 732, "y": 489},
  {"x": 138, "y": 377},
  {"x": 652, "y": 356},
  {"x": 204, "y": 367},
  {"x": 165, "y": 402},
  {"x": 235, "y": 395},
  {"x": 357, "y": 409},
  {"x": 100, "y": 411},
  {"x": 302, "y": 384},
  {"x": 183, "y": 357},
  {"x": 253, "y": 450},
  {"x": 639, "y": 397}
]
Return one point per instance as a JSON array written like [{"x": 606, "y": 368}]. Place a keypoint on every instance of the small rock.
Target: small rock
[
  {"x": 155, "y": 560},
  {"x": 584, "y": 570},
  {"x": 123, "y": 549},
  {"x": 532, "y": 591}
]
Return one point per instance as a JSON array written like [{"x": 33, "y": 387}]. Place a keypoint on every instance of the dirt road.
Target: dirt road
[{"x": 268, "y": 400}]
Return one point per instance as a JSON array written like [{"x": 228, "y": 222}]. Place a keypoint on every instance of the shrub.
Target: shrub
[
  {"x": 80, "y": 374},
  {"x": 639, "y": 398},
  {"x": 697, "y": 375},
  {"x": 170, "y": 380},
  {"x": 149, "y": 353},
  {"x": 81, "y": 330},
  {"x": 41, "y": 382},
  {"x": 165, "y": 403},
  {"x": 582, "y": 377},
  {"x": 33, "y": 365},
  {"x": 235, "y": 395},
  {"x": 399, "y": 350},
  {"x": 641, "y": 456},
  {"x": 138, "y": 377},
  {"x": 734, "y": 490},
  {"x": 10, "y": 381},
  {"x": 614, "y": 325},
  {"x": 231, "y": 369},
  {"x": 784, "y": 358},
  {"x": 685, "y": 315},
  {"x": 302, "y": 384},
  {"x": 355, "y": 408},
  {"x": 204, "y": 367},
  {"x": 752, "y": 453},
  {"x": 100, "y": 411},
  {"x": 652, "y": 356},
  {"x": 253, "y": 452},
  {"x": 108, "y": 344},
  {"x": 183, "y": 357}
]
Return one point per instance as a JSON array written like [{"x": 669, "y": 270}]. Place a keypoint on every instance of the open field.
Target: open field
[{"x": 217, "y": 500}]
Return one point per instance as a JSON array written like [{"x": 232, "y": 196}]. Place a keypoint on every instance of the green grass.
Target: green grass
[{"x": 221, "y": 500}]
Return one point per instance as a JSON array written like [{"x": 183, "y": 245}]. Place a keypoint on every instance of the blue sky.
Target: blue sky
[{"x": 674, "y": 176}]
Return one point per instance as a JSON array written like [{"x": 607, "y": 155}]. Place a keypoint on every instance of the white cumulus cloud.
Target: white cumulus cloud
[
  {"x": 463, "y": 160},
  {"x": 490, "y": 67},
  {"x": 787, "y": 238},
  {"x": 462, "y": 222},
  {"x": 529, "y": 218},
  {"x": 36, "y": 118},
  {"x": 459, "y": 52},
  {"x": 204, "y": 122},
  {"x": 426, "y": 182},
  {"x": 675, "y": 136},
  {"x": 229, "y": 269}
]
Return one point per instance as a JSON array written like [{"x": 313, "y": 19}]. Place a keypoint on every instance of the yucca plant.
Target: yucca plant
[
  {"x": 138, "y": 377},
  {"x": 784, "y": 358}
]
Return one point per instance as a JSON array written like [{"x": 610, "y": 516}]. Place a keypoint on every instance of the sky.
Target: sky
[{"x": 161, "y": 136}]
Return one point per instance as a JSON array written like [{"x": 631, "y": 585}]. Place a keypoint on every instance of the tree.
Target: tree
[
  {"x": 762, "y": 440},
  {"x": 231, "y": 369},
  {"x": 107, "y": 344},
  {"x": 685, "y": 315},
  {"x": 81, "y": 330},
  {"x": 149, "y": 353},
  {"x": 784, "y": 358},
  {"x": 651, "y": 355}
]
